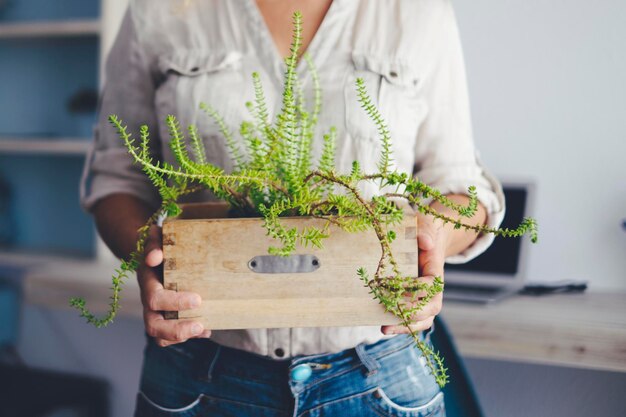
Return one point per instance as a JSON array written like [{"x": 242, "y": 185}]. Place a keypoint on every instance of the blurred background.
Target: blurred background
[{"x": 548, "y": 98}]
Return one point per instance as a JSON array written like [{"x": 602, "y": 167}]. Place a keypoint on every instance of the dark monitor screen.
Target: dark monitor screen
[{"x": 503, "y": 256}]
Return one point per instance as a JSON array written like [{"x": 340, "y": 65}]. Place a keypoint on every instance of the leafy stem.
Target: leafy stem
[{"x": 274, "y": 175}]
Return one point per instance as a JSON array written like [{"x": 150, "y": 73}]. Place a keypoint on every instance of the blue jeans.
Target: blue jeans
[{"x": 202, "y": 378}]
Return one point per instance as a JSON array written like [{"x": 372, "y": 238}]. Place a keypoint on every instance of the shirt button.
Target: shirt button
[
  {"x": 279, "y": 352},
  {"x": 301, "y": 373}
]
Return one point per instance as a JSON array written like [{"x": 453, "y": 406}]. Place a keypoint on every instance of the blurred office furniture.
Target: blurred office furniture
[
  {"x": 83, "y": 105},
  {"x": 7, "y": 220},
  {"x": 9, "y": 319},
  {"x": 47, "y": 53},
  {"x": 501, "y": 270},
  {"x": 579, "y": 330},
  {"x": 459, "y": 395},
  {"x": 38, "y": 393},
  {"x": 4, "y": 4},
  {"x": 29, "y": 392}
]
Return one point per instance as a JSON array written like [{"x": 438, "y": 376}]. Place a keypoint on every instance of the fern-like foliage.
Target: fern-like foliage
[{"x": 273, "y": 177}]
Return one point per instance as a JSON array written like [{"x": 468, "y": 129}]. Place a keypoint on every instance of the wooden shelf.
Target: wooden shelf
[
  {"x": 51, "y": 280},
  {"x": 50, "y": 29},
  {"x": 585, "y": 330},
  {"x": 49, "y": 146}
]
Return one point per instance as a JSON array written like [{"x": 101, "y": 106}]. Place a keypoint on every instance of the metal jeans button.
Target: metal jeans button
[{"x": 301, "y": 373}]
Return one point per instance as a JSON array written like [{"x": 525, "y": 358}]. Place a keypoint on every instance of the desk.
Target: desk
[
  {"x": 585, "y": 330},
  {"x": 577, "y": 330}
]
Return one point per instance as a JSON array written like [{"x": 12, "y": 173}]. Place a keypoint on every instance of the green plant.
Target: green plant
[{"x": 274, "y": 176}]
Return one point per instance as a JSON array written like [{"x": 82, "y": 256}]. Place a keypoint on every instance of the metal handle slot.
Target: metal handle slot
[{"x": 293, "y": 264}]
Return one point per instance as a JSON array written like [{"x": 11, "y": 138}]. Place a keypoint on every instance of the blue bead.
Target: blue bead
[{"x": 301, "y": 373}]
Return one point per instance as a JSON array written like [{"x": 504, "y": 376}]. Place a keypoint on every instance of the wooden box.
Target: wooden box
[{"x": 226, "y": 261}]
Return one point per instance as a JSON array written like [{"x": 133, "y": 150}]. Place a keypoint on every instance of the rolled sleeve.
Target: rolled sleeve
[
  {"x": 445, "y": 154},
  {"x": 129, "y": 93}
]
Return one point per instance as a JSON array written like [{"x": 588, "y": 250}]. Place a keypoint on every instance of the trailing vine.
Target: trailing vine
[{"x": 273, "y": 177}]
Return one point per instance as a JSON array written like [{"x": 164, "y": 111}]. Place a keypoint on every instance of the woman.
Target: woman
[{"x": 171, "y": 55}]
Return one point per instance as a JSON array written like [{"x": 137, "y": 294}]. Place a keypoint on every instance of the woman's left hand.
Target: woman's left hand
[{"x": 432, "y": 240}]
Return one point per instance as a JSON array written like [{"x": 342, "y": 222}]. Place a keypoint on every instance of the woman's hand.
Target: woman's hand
[
  {"x": 156, "y": 299},
  {"x": 432, "y": 242},
  {"x": 118, "y": 217},
  {"x": 435, "y": 242}
]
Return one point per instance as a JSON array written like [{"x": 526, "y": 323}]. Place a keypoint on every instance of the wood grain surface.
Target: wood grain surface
[
  {"x": 210, "y": 257},
  {"x": 585, "y": 330}
]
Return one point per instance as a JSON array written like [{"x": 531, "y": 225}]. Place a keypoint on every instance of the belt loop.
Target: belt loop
[
  {"x": 209, "y": 374},
  {"x": 370, "y": 363}
]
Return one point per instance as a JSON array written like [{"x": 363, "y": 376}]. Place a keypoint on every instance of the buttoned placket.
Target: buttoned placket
[{"x": 279, "y": 344}]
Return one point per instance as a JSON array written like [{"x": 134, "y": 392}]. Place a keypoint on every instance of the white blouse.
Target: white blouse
[{"x": 171, "y": 55}]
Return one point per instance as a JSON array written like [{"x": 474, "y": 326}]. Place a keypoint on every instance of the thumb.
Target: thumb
[
  {"x": 154, "y": 247},
  {"x": 426, "y": 235},
  {"x": 425, "y": 241}
]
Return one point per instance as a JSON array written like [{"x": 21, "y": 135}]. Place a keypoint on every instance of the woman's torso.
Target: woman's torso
[{"x": 206, "y": 51}]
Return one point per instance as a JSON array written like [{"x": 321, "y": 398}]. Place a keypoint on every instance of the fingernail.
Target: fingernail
[
  {"x": 196, "y": 329},
  {"x": 195, "y": 301}
]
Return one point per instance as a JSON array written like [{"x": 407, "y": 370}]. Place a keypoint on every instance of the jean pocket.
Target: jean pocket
[
  {"x": 406, "y": 386},
  {"x": 379, "y": 401},
  {"x": 150, "y": 407}
]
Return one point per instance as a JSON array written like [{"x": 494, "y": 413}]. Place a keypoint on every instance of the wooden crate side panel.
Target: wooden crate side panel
[
  {"x": 294, "y": 312},
  {"x": 204, "y": 256},
  {"x": 227, "y": 245}
]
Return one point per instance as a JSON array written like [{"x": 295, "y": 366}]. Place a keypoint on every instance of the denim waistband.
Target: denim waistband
[
  {"x": 362, "y": 356},
  {"x": 215, "y": 359}
]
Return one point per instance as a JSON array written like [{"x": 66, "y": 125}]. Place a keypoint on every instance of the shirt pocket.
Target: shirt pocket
[
  {"x": 394, "y": 88},
  {"x": 192, "y": 77}
]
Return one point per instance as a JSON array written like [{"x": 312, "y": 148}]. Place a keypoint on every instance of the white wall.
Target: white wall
[{"x": 548, "y": 88}]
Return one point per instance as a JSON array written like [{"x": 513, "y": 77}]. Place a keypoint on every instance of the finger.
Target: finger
[
  {"x": 161, "y": 299},
  {"x": 415, "y": 327},
  {"x": 414, "y": 284},
  {"x": 431, "y": 265},
  {"x": 155, "y": 297},
  {"x": 164, "y": 343},
  {"x": 425, "y": 241},
  {"x": 173, "y": 331},
  {"x": 427, "y": 230},
  {"x": 431, "y": 309},
  {"x": 431, "y": 261},
  {"x": 431, "y": 256},
  {"x": 149, "y": 279},
  {"x": 414, "y": 296},
  {"x": 204, "y": 335},
  {"x": 154, "y": 247}
]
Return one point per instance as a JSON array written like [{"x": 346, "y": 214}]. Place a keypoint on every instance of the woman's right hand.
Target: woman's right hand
[{"x": 156, "y": 298}]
